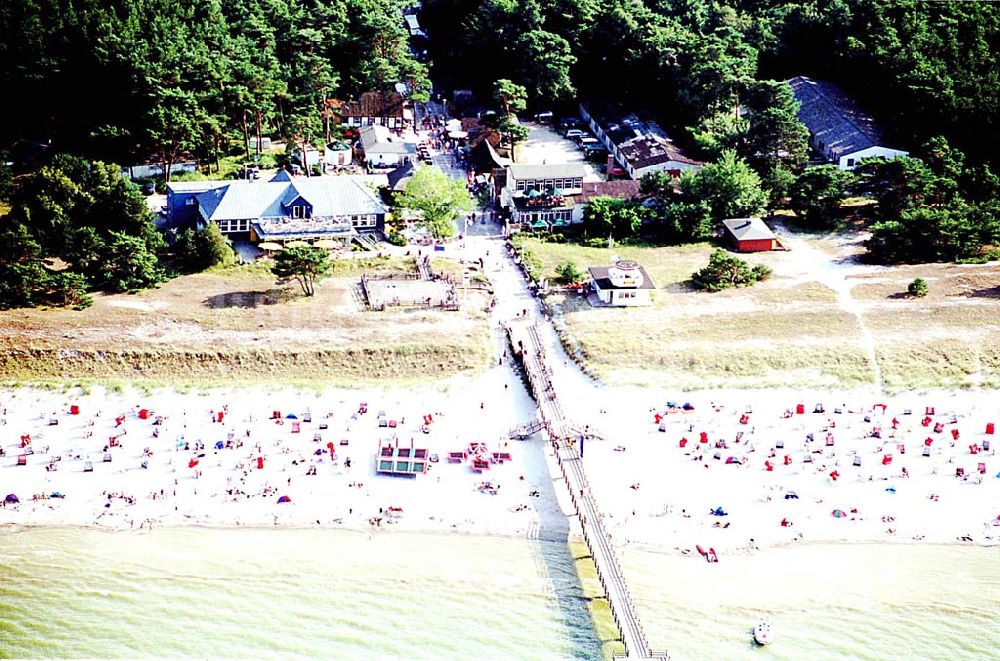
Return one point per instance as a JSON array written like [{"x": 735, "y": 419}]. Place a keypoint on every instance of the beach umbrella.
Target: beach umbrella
[
  {"x": 839, "y": 514},
  {"x": 269, "y": 245},
  {"x": 284, "y": 499},
  {"x": 297, "y": 244},
  {"x": 291, "y": 416},
  {"x": 453, "y": 125},
  {"x": 12, "y": 498},
  {"x": 326, "y": 244}
]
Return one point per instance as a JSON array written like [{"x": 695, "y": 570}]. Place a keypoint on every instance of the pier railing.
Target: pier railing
[{"x": 526, "y": 344}]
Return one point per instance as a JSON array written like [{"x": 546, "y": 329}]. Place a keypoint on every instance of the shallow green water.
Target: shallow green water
[
  {"x": 333, "y": 594},
  {"x": 278, "y": 593},
  {"x": 824, "y": 602}
]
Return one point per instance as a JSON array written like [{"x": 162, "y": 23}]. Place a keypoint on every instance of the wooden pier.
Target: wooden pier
[{"x": 525, "y": 342}]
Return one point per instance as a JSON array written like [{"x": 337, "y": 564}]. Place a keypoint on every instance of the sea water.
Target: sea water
[
  {"x": 273, "y": 593},
  {"x": 828, "y": 601},
  {"x": 277, "y": 593}
]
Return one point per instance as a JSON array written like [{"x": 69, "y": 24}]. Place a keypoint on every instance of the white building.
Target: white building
[
  {"x": 625, "y": 283},
  {"x": 838, "y": 128},
  {"x": 382, "y": 149}
]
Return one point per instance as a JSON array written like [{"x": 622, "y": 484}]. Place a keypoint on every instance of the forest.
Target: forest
[
  {"x": 122, "y": 81},
  {"x": 922, "y": 68}
]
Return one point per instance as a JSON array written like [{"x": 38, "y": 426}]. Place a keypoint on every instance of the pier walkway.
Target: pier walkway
[{"x": 525, "y": 342}]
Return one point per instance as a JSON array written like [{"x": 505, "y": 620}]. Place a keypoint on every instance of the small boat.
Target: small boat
[{"x": 763, "y": 634}]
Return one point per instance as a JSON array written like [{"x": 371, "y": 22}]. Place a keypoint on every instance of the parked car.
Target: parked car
[
  {"x": 544, "y": 116},
  {"x": 588, "y": 141},
  {"x": 575, "y": 133},
  {"x": 566, "y": 123},
  {"x": 596, "y": 153}
]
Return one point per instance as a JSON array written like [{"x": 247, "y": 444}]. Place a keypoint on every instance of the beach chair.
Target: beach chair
[
  {"x": 107, "y": 457},
  {"x": 981, "y": 468},
  {"x": 53, "y": 422},
  {"x": 22, "y": 460},
  {"x": 857, "y": 460},
  {"x": 88, "y": 467},
  {"x": 779, "y": 444},
  {"x": 926, "y": 451},
  {"x": 323, "y": 425}
]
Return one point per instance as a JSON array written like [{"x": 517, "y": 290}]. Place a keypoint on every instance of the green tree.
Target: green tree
[
  {"x": 612, "y": 217},
  {"x": 440, "y": 198},
  {"x": 198, "y": 250},
  {"x": 569, "y": 272},
  {"x": 23, "y": 277},
  {"x": 303, "y": 265},
  {"x": 546, "y": 62},
  {"x": 729, "y": 187},
  {"x": 817, "y": 193},
  {"x": 512, "y": 99},
  {"x": 126, "y": 264},
  {"x": 725, "y": 271}
]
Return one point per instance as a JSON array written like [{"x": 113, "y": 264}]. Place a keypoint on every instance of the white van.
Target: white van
[
  {"x": 573, "y": 134},
  {"x": 545, "y": 116},
  {"x": 589, "y": 141}
]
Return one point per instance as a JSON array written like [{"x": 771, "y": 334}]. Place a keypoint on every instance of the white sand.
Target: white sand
[
  {"x": 447, "y": 497},
  {"x": 677, "y": 487},
  {"x": 669, "y": 509}
]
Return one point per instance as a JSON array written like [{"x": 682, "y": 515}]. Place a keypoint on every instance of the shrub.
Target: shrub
[
  {"x": 917, "y": 288},
  {"x": 724, "y": 271},
  {"x": 568, "y": 272}
]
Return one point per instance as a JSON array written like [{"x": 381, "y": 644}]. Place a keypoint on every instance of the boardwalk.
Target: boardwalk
[{"x": 525, "y": 342}]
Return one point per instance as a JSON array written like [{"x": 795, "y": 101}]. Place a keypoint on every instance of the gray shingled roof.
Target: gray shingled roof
[
  {"x": 748, "y": 229},
  {"x": 834, "y": 118},
  {"x": 328, "y": 196}
]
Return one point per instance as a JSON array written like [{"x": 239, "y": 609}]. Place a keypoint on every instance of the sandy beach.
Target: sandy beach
[
  {"x": 658, "y": 469},
  {"x": 172, "y": 459}
]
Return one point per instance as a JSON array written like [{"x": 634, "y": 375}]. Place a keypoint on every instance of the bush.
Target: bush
[
  {"x": 569, "y": 272},
  {"x": 395, "y": 238},
  {"x": 725, "y": 271},
  {"x": 917, "y": 288}
]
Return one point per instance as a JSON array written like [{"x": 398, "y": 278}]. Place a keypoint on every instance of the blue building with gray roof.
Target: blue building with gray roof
[
  {"x": 282, "y": 209},
  {"x": 838, "y": 128}
]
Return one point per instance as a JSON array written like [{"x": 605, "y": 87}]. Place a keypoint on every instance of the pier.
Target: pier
[{"x": 526, "y": 344}]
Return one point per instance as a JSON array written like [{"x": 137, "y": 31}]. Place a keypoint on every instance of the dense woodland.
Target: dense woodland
[
  {"x": 923, "y": 68},
  {"x": 121, "y": 81},
  {"x": 126, "y": 80}
]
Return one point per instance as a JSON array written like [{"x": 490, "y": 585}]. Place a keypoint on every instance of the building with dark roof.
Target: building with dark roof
[
  {"x": 638, "y": 144},
  {"x": 625, "y": 283},
  {"x": 838, "y": 128},
  {"x": 385, "y": 108},
  {"x": 749, "y": 235}
]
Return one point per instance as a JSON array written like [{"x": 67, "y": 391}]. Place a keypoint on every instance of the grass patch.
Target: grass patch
[
  {"x": 234, "y": 325},
  {"x": 597, "y": 604}
]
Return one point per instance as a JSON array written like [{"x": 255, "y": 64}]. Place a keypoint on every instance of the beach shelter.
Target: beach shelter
[
  {"x": 284, "y": 499},
  {"x": 11, "y": 499},
  {"x": 839, "y": 514}
]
